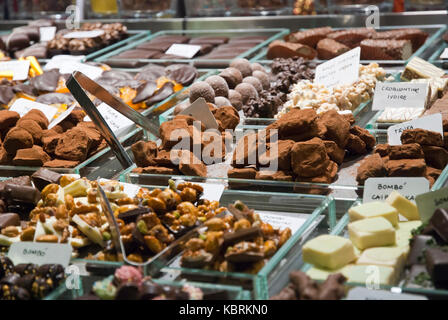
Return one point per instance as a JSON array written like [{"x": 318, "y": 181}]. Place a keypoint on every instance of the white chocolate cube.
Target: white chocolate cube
[
  {"x": 374, "y": 232},
  {"x": 373, "y": 210},
  {"x": 330, "y": 252},
  {"x": 405, "y": 207},
  {"x": 393, "y": 257},
  {"x": 369, "y": 274}
]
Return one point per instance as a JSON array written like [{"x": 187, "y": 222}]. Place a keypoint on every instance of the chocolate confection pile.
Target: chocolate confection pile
[
  {"x": 428, "y": 260},
  {"x": 212, "y": 47},
  {"x": 27, "y": 281},
  {"x": 326, "y": 43},
  {"x": 307, "y": 94},
  {"x": 27, "y": 141},
  {"x": 112, "y": 32},
  {"x": 423, "y": 153},
  {"x": 376, "y": 237},
  {"x": 154, "y": 159},
  {"x": 155, "y": 218},
  {"x": 302, "y": 287},
  {"x": 151, "y": 85},
  {"x": 310, "y": 147},
  {"x": 237, "y": 242},
  {"x": 128, "y": 283}
]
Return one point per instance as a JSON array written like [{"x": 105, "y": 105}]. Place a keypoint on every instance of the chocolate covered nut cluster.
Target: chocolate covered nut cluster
[
  {"x": 27, "y": 141},
  {"x": 326, "y": 43},
  {"x": 310, "y": 147},
  {"x": 307, "y": 94},
  {"x": 236, "y": 242},
  {"x": 422, "y": 154},
  {"x": 159, "y": 216},
  {"x": 28, "y": 281},
  {"x": 174, "y": 157},
  {"x": 302, "y": 287}
]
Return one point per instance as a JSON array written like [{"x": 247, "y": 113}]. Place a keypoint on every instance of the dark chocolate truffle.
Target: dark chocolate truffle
[
  {"x": 232, "y": 76},
  {"x": 263, "y": 78},
  {"x": 247, "y": 92},
  {"x": 219, "y": 85},
  {"x": 236, "y": 99},
  {"x": 243, "y": 65},
  {"x": 222, "y": 101},
  {"x": 202, "y": 89},
  {"x": 254, "y": 82},
  {"x": 257, "y": 67}
]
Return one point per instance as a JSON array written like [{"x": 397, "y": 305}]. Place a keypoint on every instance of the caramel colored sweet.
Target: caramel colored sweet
[
  {"x": 406, "y": 151},
  {"x": 61, "y": 164},
  {"x": 422, "y": 137},
  {"x": 371, "y": 167},
  {"x": 406, "y": 168},
  {"x": 243, "y": 173},
  {"x": 309, "y": 158},
  {"x": 31, "y": 157},
  {"x": 281, "y": 49},
  {"x": 144, "y": 153},
  {"x": 33, "y": 128},
  {"x": 17, "y": 138},
  {"x": 228, "y": 116},
  {"x": 74, "y": 145}
]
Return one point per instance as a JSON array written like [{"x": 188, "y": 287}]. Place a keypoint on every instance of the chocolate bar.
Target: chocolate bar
[
  {"x": 9, "y": 219},
  {"x": 309, "y": 37},
  {"x": 439, "y": 222},
  {"x": 352, "y": 37},
  {"x": 16, "y": 194},
  {"x": 328, "y": 49},
  {"x": 437, "y": 266},
  {"x": 281, "y": 49},
  {"x": 386, "y": 49},
  {"x": 43, "y": 177},
  {"x": 416, "y": 36}
]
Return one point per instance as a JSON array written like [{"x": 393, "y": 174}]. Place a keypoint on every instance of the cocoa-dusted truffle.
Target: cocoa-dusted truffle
[
  {"x": 8, "y": 119},
  {"x": 32, "y": 157},
  {"x": 222, "y": 101},
  {"x": 371, "y": 167},
  {"x": 257, "y": 67},
  {"x": 74, "y": 145},
  {"x": 243, "y": 65},
  {"x": 17, "y": 138},
  {"x": 232, "y": 76},
  {"x": 263, "y": 78},
  {"x": 38, "y": 116},
  {"x": 309, "y": 158},
  {"x": 144, "y": 153},
  {"x": 202, "y": 89},
  {"x": 61, "y": 164},
  {"x": 228, "y": 116},
  {"x": 254, "y": 82},
  {"x": 33, "y": 128},
  {"x": 235, "y": 99},
  {"x": 247, "y": 92},
  {"x": 219, "y": 85}
]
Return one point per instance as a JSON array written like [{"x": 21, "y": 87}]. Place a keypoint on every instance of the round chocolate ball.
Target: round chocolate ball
[
  {"x": 255, "y": 82},
  {"x": 202, "y": 89},
  {"x": 236, "y": 99},
  {"x": 232, "y": 76},
  {"x": 264, "y": 79},
  {"x": 222, "y": 102},
  {"x": 257, "y": 67},
  {"x": 247, "y": 92},
  {"x": 243, "y": 65},
  {"x": 219, "y": 85}
]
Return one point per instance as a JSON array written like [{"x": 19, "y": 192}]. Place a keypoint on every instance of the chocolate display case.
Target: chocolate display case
[
  {"x": 143, "y": 51},
  {"x": 435, "y": 57}
]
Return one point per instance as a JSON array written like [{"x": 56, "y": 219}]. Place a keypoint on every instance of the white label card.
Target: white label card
[
  {"x": 183, "y": 50},
  {"x": 19, "y": 69},
  {"x": 343, "y": 69},
  {"x": 67, "y": 64},
  {"x": 23, "y": 106},
  {"x": 282, "y": 220},
  {"x": 444, "y": 54},
  {"x": 428, "y": 202},
  {"x": 117, "y": 122},
  {"x": 47, "y": 33},
  {"x": 399, "y": 95},
  {"x": 378, "y": 189},
  {"x": 201, "y": 112},
  {"x": 360, "y": 293},
  {"x": 40, "y": 253},
  {"x": 432, "y": 122},
  {"x": 84, "y": 34},
  {"x": 61, "y": 117}
]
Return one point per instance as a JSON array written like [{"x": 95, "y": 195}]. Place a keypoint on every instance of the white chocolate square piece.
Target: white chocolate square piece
[
  {"x": 405, "y": 207},
  {"x": 374, "y": 232},
  {"x": 372, "y": 210}
]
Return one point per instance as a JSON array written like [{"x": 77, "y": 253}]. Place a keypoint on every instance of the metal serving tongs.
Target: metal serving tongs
[{"x": 77, "y": 83}]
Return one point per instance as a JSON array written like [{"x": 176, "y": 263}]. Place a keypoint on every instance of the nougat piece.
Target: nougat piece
[
  {"x": 328, "y": 49},
  {"x": 281, "y": 49},
  {"x": 417, "y": 68},
  {"x": 422, "y": 137},
  {"x": 405, "y": 207},
  {"x": 328, "y": 251},
  {"x": 393, "y": 257},
  {"x": 406, "y": 168},
  {"x": 374, "y": 209},
  {"x": 373, "y": 232}
]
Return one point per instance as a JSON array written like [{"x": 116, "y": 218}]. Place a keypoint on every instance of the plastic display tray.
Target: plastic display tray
[{"x": 271, "y": 34}]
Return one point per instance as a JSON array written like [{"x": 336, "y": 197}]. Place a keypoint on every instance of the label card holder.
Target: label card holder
[
  {"x": 117, "y": 122},
  {"x": 61, "y": 117},
  {"x": 183, "y": 50},
  {"x": 23, "y": 106},
  {"x": 47, "y": 33},
  {"x": 428, "y": 202},
  {"x": 400, "y": 94},
  {"x": 378, "y": 189},
  {"x": 18, "y": 68},
  {"x": 444, "y": 54},
  {"x": 343, "y": 69},
  {"x": 432, "y": 122},
  {"x": 201, "y": 112},
  {"x": 40, "y": 253},
  {"x": 84, "y": 34}
]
